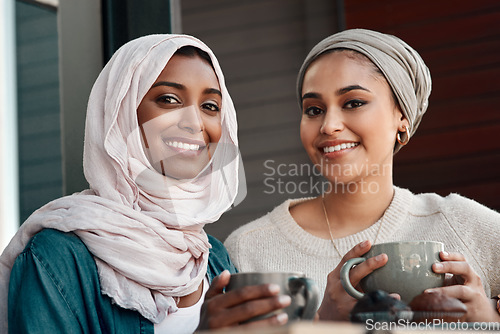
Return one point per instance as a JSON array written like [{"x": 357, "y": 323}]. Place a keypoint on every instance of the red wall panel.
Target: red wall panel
[{"x": 457, "y": 147}]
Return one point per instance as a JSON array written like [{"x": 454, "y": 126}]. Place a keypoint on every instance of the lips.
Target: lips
[
  {"x": 184, "y": 144},
  {"x": 181, "y": 145},
  {"x": 337, "y": 147}
]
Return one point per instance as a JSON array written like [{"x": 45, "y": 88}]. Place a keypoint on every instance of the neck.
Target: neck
[{"x": 353, "y": 209}]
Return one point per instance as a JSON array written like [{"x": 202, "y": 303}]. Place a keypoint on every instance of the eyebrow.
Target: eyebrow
[
  {"x": 212, "y": 91},
  {"x": 311, "y": 96},
  {"x": 182, "y": 87},
  {"x": 340, "y": 92},
  {"x": 347, "y": 89},
  {"x": 170, "y": 84}
]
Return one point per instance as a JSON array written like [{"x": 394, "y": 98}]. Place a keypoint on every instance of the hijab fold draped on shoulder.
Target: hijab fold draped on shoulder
[{"x": 155, "y": 224}]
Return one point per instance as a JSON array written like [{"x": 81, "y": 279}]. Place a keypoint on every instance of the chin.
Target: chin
[
  {"x": 181, "y": 175},
  {"x": 181, "y": 168},
  {"x": 184, "y": 173}
]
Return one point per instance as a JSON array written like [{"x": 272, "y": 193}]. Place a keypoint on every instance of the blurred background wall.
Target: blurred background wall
[{"x": 62, "y": 45}]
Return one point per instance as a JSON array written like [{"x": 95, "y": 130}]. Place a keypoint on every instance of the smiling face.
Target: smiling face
[
  {"x": 349, "y": 118},
  {"x": 180, "y": 117}
]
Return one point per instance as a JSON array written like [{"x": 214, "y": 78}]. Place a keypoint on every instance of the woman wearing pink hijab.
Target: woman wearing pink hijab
[{"x": 129, "y": 255}]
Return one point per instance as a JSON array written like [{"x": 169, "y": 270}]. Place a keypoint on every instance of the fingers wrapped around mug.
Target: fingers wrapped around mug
[
  {"x": 366, "y": 267},
  {"x": 465, "y": 285},
  {"x": 337, "y": 303},
  {"x": 235, "y": 307}
]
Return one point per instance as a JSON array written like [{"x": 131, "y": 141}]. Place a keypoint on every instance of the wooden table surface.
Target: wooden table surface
[
  {"x": 323, "y": 327},
  {"x": 296, "y": 328}
]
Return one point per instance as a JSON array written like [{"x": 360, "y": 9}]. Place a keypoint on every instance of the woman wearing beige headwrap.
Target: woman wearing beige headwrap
[
  {"x": 129, "y": 255},
  {"x": 362, "y": 96}
]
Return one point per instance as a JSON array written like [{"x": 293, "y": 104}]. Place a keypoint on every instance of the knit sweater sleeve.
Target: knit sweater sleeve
[
  {"x": 241, "y": 243},
  {"x": 479, "y": 229},
  {"x": 232, "y": 246}
]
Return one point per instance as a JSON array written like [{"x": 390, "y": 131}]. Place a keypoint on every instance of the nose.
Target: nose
[
  {"x": 332, "y": 122},
  {"x": 190, "y": 120}
]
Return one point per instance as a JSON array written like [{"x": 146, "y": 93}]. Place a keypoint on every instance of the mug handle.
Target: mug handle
[
  {"x": 311, "y": 293},
  {"x": 344, "y": 277}
]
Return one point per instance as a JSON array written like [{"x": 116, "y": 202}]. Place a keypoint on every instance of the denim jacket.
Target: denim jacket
[{"x": 54, "y": 288}]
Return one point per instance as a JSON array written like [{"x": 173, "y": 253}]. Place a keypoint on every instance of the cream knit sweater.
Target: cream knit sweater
[{"x": 275, "y": 242}]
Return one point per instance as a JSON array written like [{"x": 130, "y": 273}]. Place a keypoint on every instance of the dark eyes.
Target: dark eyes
[
  {"x": 313, "y": 111},
  {"x": 210, "y": 107},
  {"x": 168, "y": 99},
  {"x": 351, "y": 104},
  {"x": 172, "y": 100}
]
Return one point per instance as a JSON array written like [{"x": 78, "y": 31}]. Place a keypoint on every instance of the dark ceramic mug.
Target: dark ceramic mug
[
  {"x": 408, "y": 271},
  {"x": 303, "y": 292}
]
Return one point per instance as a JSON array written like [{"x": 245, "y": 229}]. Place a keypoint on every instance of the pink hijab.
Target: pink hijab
[{"x": 144, "y": 231}]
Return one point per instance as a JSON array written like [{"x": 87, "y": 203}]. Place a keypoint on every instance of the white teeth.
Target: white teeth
[
  {"x": 184, "y": 146},
  {"x": 329, "y": 149}
]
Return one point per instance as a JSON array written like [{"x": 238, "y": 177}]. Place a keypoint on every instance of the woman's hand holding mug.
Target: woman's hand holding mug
[
  {"x": 465, "y": 284},
  {"x": 258, "y": 299},
  {"x": 337, "y": 303},
  {"x": 235, "y": 307}
]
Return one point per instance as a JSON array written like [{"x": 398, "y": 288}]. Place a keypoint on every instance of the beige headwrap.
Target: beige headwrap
[
  {"x": 145, "y": 232},
  {"x": 403, "y": 68}
]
